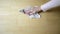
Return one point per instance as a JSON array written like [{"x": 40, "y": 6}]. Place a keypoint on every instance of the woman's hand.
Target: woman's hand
[{"x": 33, "y": 10}]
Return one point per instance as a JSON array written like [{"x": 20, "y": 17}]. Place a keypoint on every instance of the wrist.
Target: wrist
[{"x": 40, "y": 10}]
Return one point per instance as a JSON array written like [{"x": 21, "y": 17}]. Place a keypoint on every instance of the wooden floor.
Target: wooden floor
[{"x": 14, "y": 22}]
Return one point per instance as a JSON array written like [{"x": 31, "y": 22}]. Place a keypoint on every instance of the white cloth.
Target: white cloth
[
  {"x": 35, "y": 16},
  {"x": 50, "y": 4}
]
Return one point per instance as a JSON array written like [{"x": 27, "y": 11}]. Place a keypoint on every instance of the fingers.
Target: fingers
[{"x": 32, "y": 10}]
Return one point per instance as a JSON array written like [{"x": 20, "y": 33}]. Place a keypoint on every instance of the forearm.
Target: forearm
[{"x": 50, "y": 4}]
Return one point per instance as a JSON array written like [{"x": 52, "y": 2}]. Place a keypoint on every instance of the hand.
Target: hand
[{"x": 32, "y": 10}]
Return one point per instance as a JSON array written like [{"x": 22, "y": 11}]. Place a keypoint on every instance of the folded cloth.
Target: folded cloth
[{"x": 35, "y": 15}]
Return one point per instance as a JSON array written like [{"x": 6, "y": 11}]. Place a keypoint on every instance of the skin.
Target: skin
[{"x": 35, "y": 9}]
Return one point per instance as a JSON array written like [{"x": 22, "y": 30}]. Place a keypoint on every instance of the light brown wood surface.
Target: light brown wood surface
[{"x": 14, "y": 22}]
